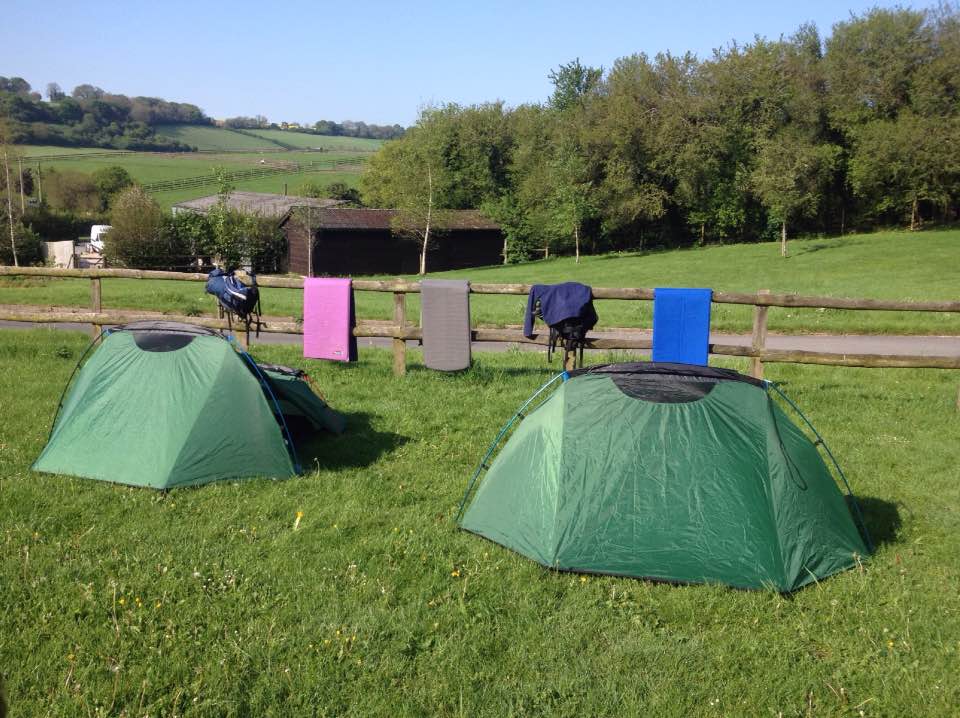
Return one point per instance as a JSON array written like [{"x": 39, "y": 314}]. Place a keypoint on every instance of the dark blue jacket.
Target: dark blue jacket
[{"x": 558, "y": 302}]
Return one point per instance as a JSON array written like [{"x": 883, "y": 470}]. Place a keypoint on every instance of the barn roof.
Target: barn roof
[
  {"x": 263, "y": 204},
  {"x": 341, "y": 218}
]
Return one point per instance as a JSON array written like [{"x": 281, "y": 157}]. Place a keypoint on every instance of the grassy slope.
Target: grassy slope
[
  {"x": 147, "y": 167},
  {"x": 206, "y": 602},
  {"x": 887, "y": 265},
  {"x": 274, "y": 184},
  {"x": 212, "y": 138},
  {"x": 35, "y": 150},
  {"x": 308, "y": 141}
]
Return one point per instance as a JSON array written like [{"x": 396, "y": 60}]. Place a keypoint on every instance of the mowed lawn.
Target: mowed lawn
[
  {"x": 888, "y": 265},
  {"x": 207, "y": 602}
]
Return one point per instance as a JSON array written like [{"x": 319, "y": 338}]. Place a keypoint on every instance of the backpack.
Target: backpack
[{"x": 236, "y": 298}]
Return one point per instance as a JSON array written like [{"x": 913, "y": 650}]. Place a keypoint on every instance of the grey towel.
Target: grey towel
[{"x": 445, "y": 318}]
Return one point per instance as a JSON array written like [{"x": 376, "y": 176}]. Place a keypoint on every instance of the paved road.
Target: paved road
[{"x": 837, "y": 344}]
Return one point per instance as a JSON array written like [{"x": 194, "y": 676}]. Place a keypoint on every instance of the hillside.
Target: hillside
[
  {"x": 205, "y": 137},
  {"x": 305, "y": 140}
]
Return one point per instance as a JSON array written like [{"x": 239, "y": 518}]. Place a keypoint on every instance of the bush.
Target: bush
[
  {"x": 140, "y": 236},
  {"x": 28, "y": 243},
  {"x": 109, "y": 181},
  {"x": 70, "y": 190},
  {"x": 57, "y": 225}
]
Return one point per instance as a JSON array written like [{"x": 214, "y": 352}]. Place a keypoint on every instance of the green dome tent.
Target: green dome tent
[
  {"x": 669, "y": 472},
  {"x": 163, "y": 404}
]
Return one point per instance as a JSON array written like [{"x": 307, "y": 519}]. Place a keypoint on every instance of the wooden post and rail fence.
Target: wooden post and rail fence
[{"x": 400, "y": 331}]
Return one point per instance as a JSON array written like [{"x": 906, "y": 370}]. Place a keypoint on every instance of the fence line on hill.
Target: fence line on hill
[{"x": 400, "y": 331}]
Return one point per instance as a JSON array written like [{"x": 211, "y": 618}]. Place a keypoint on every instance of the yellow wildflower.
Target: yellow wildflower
[{"x": 455, "y": 573}]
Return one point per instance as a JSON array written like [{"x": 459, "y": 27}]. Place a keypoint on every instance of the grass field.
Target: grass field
[
  {"x": 146, "y": 167},
  {"x": 213, "y": 138},
  {"x": 42, "y": 150},
  {"x": 892, "y": 265},
  {"x": 308, "y": 141},
  {"x": 273, "y": 183},
  {"x": 206, "y": 602}
]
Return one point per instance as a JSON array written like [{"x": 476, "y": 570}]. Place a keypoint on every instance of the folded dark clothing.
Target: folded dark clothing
[{"x": 558, "y": 302}]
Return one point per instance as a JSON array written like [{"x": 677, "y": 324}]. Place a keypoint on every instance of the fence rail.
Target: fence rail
[{"x": 401, "y": 332}]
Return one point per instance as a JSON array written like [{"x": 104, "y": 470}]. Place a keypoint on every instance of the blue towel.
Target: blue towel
[{"x": 681, "y": 325}]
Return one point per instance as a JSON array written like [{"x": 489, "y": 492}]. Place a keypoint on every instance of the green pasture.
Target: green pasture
[
  {"x": 890, "y": 265},
  {"x": 326, "y": 142},
  {"x": 207, "y": 602},
  {"x": 205, "y": 137},
  {"x": 146, "y": 167},
  {"x": 273, "y": 183},
  {"x": 41, "y": 150}
]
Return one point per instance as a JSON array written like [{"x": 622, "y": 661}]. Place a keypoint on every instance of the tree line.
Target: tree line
[
  {"x": 91, "y": 117},
  {"x": 760, "y": 141},
  {"x": 328, "y": 128}
]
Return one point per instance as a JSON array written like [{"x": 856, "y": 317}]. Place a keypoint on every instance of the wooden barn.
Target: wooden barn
[{"x": 349, "y": 242}]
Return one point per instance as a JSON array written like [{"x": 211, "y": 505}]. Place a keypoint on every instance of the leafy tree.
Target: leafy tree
[
  {"x": 71, "y": 190},
  {"x": 897, "y": 164},
  {"x": 109, "y": 181},
  {"x": 572, "y": 82},
  {"x": 411, "y": 175},
  {"x": 137, "y": 237},
  {"x": 84, "y": 93},
  {"x": 791, "y": 177},
  {"x": 54, "y": 92},
  {"x": 344, "y": 193}
]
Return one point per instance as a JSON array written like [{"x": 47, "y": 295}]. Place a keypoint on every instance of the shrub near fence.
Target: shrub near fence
[{"x": 401, "y": 332}]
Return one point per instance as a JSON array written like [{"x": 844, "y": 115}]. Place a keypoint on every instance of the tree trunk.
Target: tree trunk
[
  {"x": 504, "y": 248},
  {"x": 13, "y": 240},
  {"x": 546, "y": 251},
  {"x": 426, "y": 231},
  {"x": 783, "y": 239},
  {"x": 915, "y": 215},
  {"x": 703, "y": 231},
  {"x": 576, "y": 242},
  {"x": 23, "y": 208}
]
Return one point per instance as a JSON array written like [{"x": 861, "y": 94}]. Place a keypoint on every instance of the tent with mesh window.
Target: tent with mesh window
[
  {"x": 163, "y": 404},
  {"x": 670, "y": 472}
]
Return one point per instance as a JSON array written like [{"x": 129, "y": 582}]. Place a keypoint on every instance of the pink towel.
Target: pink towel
[{"x": 328, "y": 319}]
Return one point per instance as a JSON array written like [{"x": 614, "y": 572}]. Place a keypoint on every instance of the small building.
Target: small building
[
  {"x": 348, "y": 242},
  {"x": 262, "y": 204}
]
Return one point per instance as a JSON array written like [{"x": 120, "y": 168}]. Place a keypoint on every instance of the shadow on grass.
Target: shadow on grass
[
  {"x": 358, "y": 446},
  {"x": 882, "y": 519}
]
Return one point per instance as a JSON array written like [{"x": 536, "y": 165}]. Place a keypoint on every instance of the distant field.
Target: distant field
[
  {"x": 35, "y": 150},
  {"x": 308, "y": 141},
  {"x": 891, "y": 265},
  {"x": 212, "y": 138},
  {"x": 274, "y": 184},
  {"x": 147, "y": 167}
]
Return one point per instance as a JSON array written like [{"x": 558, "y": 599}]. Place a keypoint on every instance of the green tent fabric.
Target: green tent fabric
[
  {"x": 668, "y": 472},
  {"x": 161, "y": 404},
  {"x": 296, "y": 399}
]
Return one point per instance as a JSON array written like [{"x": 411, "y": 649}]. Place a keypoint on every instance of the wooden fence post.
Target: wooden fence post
[
  {"x": 96, "y": 303},
  {"x": 399, "y": 344},
  {"x": 759, "y": 339}
]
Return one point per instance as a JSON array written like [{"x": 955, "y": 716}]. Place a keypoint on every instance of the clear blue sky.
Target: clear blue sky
[{"x": 372, "y": 61}]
